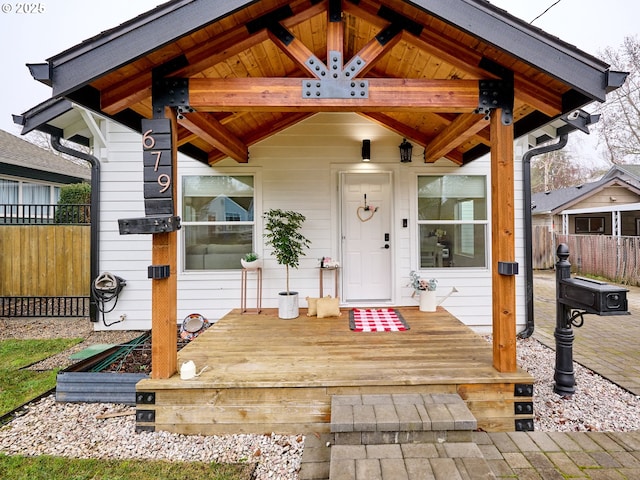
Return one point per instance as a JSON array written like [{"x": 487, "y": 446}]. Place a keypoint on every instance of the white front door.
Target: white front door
[{"x": 366, "y": 237}]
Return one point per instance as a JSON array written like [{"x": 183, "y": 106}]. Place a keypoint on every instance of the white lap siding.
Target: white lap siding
[{"x": 297, "y": 169}]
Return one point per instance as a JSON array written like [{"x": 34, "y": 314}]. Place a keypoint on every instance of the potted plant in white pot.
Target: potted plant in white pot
[
  {"x": 251, "y": 261},
  {"x": 283, "y": 234}
]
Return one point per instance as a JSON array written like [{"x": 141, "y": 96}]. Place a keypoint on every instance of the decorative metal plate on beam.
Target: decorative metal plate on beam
[
  {"x": 496, "y": 94},
  {"x": 335, "y": 81}
]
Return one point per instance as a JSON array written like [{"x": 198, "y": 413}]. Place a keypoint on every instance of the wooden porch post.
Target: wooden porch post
[
  {"x": 503, "y": 244},
  {"x": 164, "y": 291}
]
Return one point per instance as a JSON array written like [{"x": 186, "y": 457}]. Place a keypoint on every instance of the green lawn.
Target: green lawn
[
  {"x": 18, "y": 386},
  {"x": 56, "y": 468}
]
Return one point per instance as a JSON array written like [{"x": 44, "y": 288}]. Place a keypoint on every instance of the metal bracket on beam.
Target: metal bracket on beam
[
  {"x": 524, "y": 425},
  {"x": 335, "y": 11},
  {"x": 169, "y": 92},
  {"x": 523, "y": 408},
  {"x": 523, "y": 390},
  {"x": 269, "y": 19},
  {"x": 400, "y": 21},
  {"x": 335, "y": 81},
  {"x": 146, "y": 398},
  {"x": 145, "y": 415},
  {"x": 182, "y": 110},
  {"x": 496, "y": 94}
]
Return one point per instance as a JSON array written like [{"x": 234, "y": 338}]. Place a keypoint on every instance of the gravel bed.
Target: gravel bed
[
  {"x": 597, "y": 405},
  {"x": 47, "y": 427},
  {"x": 73, "y": 430}
]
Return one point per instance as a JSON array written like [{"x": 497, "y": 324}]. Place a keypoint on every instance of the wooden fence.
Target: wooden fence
[
  {"x": 615, "y": 258},
  {"x": 45, "y": 260},
  {"x": 544, "y": 248}
]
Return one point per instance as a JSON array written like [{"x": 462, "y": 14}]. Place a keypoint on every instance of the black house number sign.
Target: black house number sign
[{"x": 158, "y": 171}]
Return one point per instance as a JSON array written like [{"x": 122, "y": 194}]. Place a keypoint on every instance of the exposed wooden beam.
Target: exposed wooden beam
[
  {"x": 503, "y": 244},
  {"x": 537, "y": 96},
  {"x": 296, "y": 51},
  {"x": 135, "y": 88},
  {"x": 374, "y": 51},
  {"x": 215, "y": 134},
  {"x": 185, "y": 136},
  {"x": 285, "y": 94},
  {"x": 458, "y": 132},
  {"x": 465, "y": 60},
  {"x": 482, "y": 136}
]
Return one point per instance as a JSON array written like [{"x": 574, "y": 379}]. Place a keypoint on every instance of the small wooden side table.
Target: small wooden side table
[
  {"x": 336, "y": 277},
  {"x": 243, "y": 290}
]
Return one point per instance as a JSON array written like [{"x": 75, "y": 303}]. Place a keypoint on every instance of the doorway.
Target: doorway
[{"x": 366, "y": 237}]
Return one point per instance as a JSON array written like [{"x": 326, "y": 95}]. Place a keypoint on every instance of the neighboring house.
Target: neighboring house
[
  {"x": 259, "y": 126},
  {"x": 609, "y": 206},
  {"x": 30, "y": 175}
]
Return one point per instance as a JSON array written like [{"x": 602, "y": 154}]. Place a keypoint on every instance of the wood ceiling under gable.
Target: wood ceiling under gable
[{"x": 231, "y": 114}]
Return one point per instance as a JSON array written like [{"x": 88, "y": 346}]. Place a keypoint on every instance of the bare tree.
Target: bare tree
[
  {"x": 555, "y": 170},
  {"x": 43, "y": 140},
  {"x": 619, "y": 126}
]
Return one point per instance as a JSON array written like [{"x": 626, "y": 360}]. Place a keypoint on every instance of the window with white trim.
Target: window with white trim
[
  {"x": 15, "y": 193},
  {"x": 218, "y": 224},
  {"x": 452, "y": 221}
]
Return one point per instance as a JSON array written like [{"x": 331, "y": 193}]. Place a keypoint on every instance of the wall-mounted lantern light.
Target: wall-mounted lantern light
[
  {"x": 366, "y": 150},
  {"x": 406, "y": 150}
]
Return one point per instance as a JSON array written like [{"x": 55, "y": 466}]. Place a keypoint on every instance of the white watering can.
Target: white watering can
[
  {"x": 453, "y": 290},
  {"x": 188, "y": 370}
]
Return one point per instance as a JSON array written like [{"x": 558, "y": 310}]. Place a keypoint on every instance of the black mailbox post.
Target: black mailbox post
[{"x": 576, "y": 297}]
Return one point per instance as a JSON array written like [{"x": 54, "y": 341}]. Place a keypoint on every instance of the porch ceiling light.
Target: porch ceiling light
[
  {"x": 366, "y": 150},
  {"x": 406, "y": 150}
]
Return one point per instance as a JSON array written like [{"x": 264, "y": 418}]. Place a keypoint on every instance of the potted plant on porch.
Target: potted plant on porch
[
  {"x": 426, "y": 290},
  {"x": 283, "y": 234}
]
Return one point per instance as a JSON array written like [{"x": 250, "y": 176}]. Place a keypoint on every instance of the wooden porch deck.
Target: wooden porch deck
[{"x": 271, "y": 375}]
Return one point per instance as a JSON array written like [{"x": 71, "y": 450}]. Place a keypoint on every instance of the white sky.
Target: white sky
[{"x": 590, "y": 25}]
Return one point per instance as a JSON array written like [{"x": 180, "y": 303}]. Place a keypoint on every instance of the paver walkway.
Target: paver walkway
[{"x": 609, "y": 346}]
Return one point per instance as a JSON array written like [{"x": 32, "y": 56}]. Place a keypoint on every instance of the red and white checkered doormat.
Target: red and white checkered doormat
[{"x": 376, "y": 320}]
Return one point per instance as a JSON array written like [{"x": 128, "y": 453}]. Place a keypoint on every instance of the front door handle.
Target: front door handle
[{"x": 386, "y": 246}]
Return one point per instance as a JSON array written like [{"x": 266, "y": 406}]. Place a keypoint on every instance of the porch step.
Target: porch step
[
  {"x": 400, "y": 418},
  {"x": 402, "y": 436}
]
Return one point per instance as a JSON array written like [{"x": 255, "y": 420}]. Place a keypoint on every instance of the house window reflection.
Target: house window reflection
[
  {"x": 452, "y": 221},
  {"x": 218, "y": 220}
]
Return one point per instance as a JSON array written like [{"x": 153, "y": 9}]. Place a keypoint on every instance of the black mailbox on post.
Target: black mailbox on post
[{"x": 593, "y": 296}]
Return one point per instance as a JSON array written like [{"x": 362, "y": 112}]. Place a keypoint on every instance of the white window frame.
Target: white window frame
[
  {"x": 255, "y": 223},
  {"x": 458, "y": 247}
]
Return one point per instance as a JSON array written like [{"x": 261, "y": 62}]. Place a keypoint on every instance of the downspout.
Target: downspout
[
  {"x": 528, "y": 235},
  {"x": 94, "y": 214}
]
